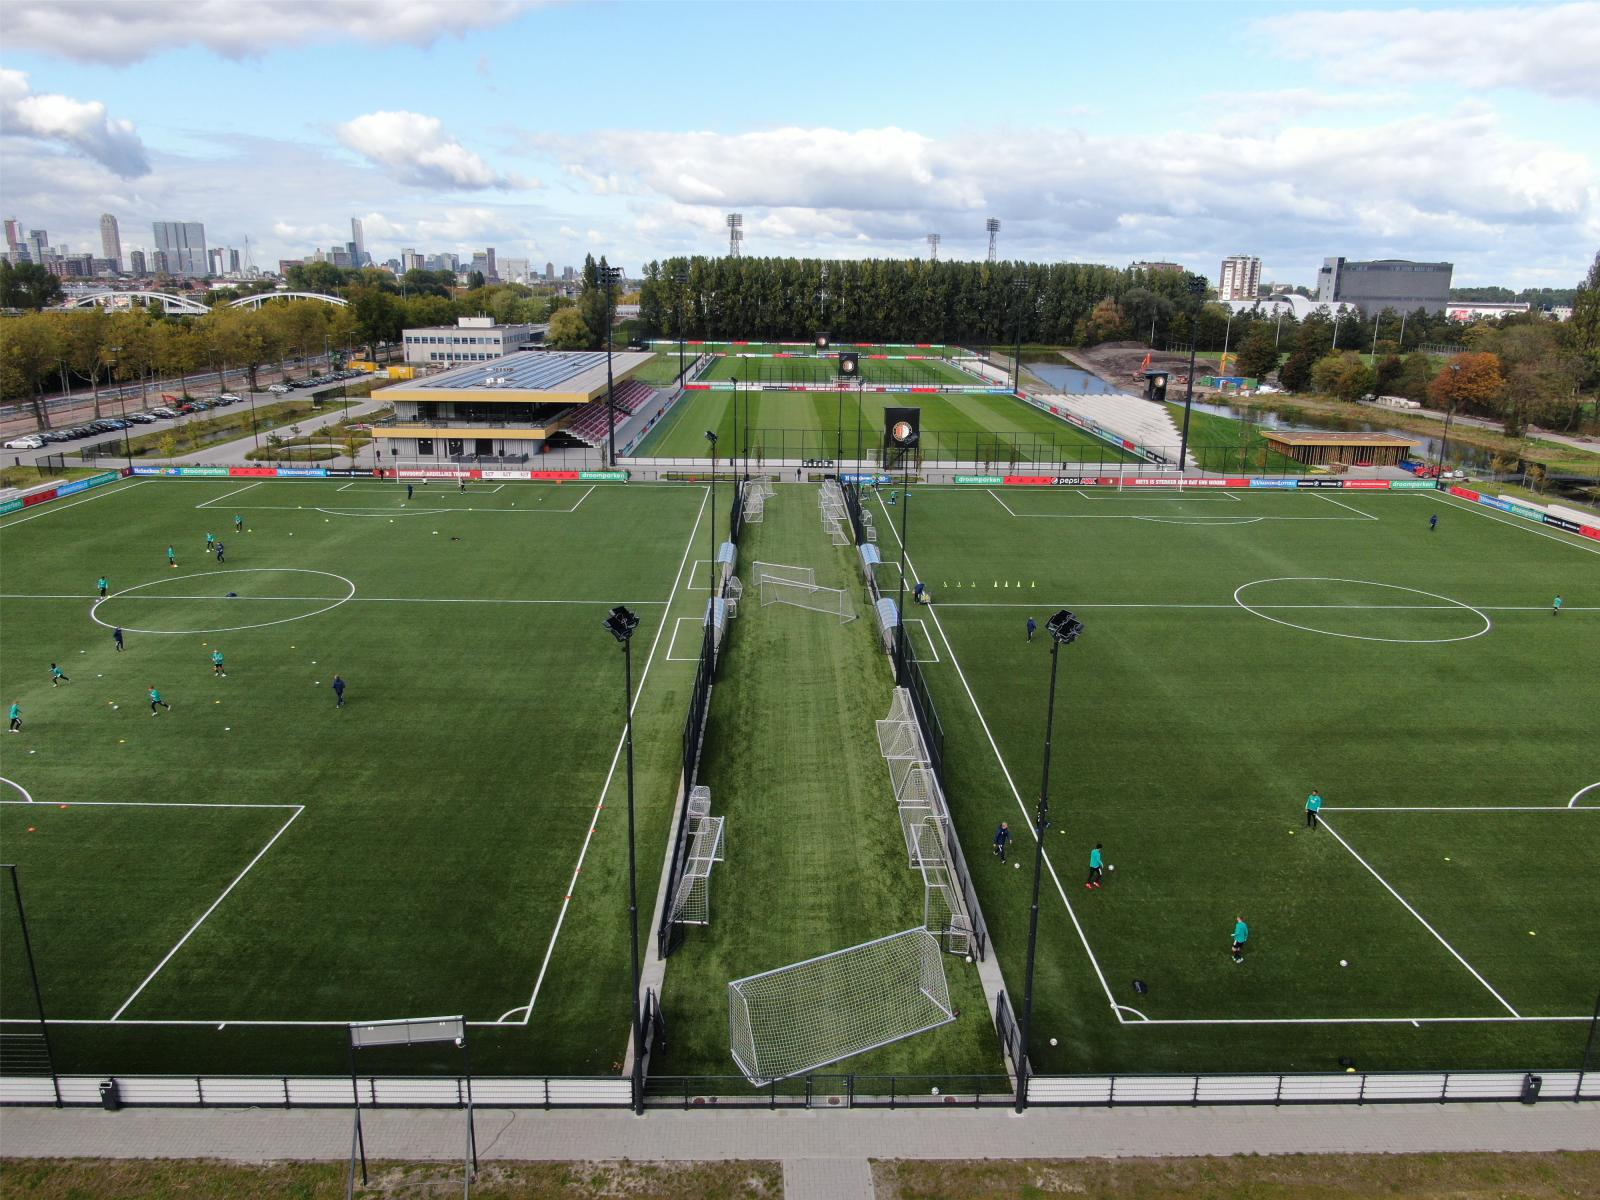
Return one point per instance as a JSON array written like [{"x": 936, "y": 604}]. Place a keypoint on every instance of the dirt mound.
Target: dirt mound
[{"x": 1123, "y": 362}]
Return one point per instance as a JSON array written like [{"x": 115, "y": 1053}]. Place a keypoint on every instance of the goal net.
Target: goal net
[
  {"x": 733, "y": 592},
  {"x": 755, "y": 506},
  {"x": 692, "y": 905},
  {"x": 806, "y": 1015},
  {"x": 806, "y": 575},
  {"x": 833, "y": 601}
]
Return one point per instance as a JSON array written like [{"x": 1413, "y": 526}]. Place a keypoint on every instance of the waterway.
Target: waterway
[
  {"x": 1069, "y": 380},
  {"x": 1427, "y": 448}
]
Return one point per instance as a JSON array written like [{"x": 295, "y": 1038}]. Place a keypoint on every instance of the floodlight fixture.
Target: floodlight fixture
[
  {"x": 621, "y": 622},
  {"x": 1064, "y": 627}
]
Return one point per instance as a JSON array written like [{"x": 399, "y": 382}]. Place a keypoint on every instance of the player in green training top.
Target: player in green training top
[
  {"x": 57, "y": 676},
  {"x": 216, "y": 664},
  {"x": 156, "y": 701},
  {"x": 1095, "y": 862},
  {"x": 1313, "y": 807},
  {"x": 211, "y": 541},
  {"x": 104, "y": 585},
  {"x": 172, "y": 557},
  {"x": 16, "y": 717},
  {"x": 238, "y": 523},
  {"x": 1241, "y": 934}
]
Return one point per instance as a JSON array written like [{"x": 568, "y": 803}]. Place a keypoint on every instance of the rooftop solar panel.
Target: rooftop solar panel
[{"x": 539, "y": 372}]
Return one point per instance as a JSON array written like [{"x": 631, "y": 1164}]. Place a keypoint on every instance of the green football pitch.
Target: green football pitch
[
  {"x": 218, "y": 887},
  {"x": 956, "y": 426},
  {"x": 1242, "y": 649}
]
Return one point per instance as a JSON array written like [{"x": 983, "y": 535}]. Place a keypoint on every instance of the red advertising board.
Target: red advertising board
[
  {"x": 1030, "y": 480},
  {"x": 38, "y": 497},
  {"x": 552, "y": 475},
  {"x": 250, "y": 472}
]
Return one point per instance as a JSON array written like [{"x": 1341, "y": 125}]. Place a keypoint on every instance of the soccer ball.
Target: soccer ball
[
  {"x": 935, "y": 1091},
  {"x": 1109, "y": 867},
  {"x": 1052, "y": 1041},
  {"x": 1344, "y": 962}
]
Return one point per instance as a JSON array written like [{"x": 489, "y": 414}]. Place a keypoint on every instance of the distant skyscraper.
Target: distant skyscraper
[
  {"x": 159, "y": 263},
  {"x": 359, "y": 242},
  {"x": 184, "y": 244},
  {"x": 233, "y": 262},
  {"x": 136, "y": 262},
  {"x": 550, "y": 271},
  {"x": 38, "y": 243},
  {"x": 1240, "y": 278},
  {"x": 110, "y": 239},
  {"x": 14, "y": 241}
]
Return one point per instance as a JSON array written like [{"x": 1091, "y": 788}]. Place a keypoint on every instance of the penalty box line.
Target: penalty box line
[
  {"x": 955, "y": 662},
  {"x": 1439, "y": 937},
  {"x": 594, "y": 818}
]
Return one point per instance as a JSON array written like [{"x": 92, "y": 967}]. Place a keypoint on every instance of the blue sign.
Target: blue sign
[
  {"x": 1274, "y": 483},
  {"x": 302, "y": 473},
  {"x": 852, "y": 477}
]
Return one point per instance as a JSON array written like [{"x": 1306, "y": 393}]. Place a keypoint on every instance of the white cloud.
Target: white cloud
[
  {"x": 415, "y": 149},
  {"x": 1552, "y": 49},
  {"x": 125, "y": 31},
  {"x": 83, "y": 126}
]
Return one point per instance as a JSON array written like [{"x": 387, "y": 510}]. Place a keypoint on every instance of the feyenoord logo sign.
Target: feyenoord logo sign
[{"x": 902, "y": 427}]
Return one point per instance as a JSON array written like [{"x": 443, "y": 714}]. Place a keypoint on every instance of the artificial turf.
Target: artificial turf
[
  {"x": 816, "y": 860},
  {"x": 1190, "y": 729},
  {"x": 427, "y": 834}
]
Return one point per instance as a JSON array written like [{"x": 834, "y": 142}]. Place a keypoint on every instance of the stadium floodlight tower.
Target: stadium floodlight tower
[
  {"x": 993, "y": 226},
  {"x": 1196, "y": 287},
  {"x": 608, "y": 280},
  {"x": 1064, "y": 629},
  {"x": 735, "y": 234},
  {"x": 933, "y": 247},
  {"x": 680, "y": 285},
  {"x": 621, "y": 623},
  {"x": 712, "y": 565}
]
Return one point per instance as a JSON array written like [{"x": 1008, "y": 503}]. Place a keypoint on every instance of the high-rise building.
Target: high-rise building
[
  {"x": 1394, "y": 283},
  {"x": 184, "y": 244},
  {"x": 136, "y": 263},
  {"x": 358, "y": 244},
  {"x": 38, "y": 244},
  {"x": 550, "y": 271},
  {"x": 110, "y": 239},
  {"x": 160, "y": 264},
  {"x": 14, "y": 243},
  {"x": 1240, "y": 278},
  {"x": 233, "y": 262}
]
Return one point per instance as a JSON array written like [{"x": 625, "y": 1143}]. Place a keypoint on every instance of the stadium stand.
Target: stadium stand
[{"x": 590, "y": 425}]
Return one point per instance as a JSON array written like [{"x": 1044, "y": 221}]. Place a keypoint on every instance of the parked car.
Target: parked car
[
  {"x": 164, "y": 413},
  {"x": 31, "y": 442},
  {"x": 279, "y": 389},
  {"x": 226, "y": 398},
  {"x": 143, "y": 418}
]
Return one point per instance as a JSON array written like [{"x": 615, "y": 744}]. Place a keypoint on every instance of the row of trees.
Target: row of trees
[{"x": 41, "y": 352}]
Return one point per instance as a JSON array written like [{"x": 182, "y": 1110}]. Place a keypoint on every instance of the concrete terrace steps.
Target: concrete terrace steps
[{"x": 1145, "y": 422}]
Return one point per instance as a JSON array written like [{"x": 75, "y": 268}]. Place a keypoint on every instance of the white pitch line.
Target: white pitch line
[
  {"x": 1468, "y": 506},
  {"x": 47, "y": 509},
  {"x": 1352, "y": 1020},
  {"x": 583, "y": 497},
  {"x": 235, "y": 492},
  {"x": 1406, "y": 904},
  {"x": 142, "y": 803},
  {"x": 1324, "y": 496},
  {"x": 1363, "y": 607},
  {"x": 367, "y": 599},
  {"x": 293, "y": 817},
  {"x": 594, "y": 817},
  {"x": 1573, "y": 803},
  {"x": 212, "y": 1021},
  {"x": 955, "y": 662},
  {"x": 1471, "y": 808},
  {"x": 999, "y": 501}
]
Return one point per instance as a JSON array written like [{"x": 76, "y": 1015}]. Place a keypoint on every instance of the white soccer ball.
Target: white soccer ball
[
  {"x": 1344, "y": 962},
  {"x": 935, "y": 1091},
  {"x": 1052, "y": 1041},
  {"x": 1109, "y": 867},
  {"x": 1016, "y": 866}
]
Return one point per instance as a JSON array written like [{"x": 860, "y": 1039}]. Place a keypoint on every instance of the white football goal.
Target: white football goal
[
  {"x": 833, "y": 601},
  {"x": 806, "y": 1015}
]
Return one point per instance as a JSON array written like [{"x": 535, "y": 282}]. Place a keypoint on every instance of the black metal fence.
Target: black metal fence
[
  {"x": 830, "y": 1091},
  {"x": 915, "y": 682},
  {"x": 669, "y": 934},
  {"x": 736, "y": 511},
  {"x": 1011, "y": 1038}
]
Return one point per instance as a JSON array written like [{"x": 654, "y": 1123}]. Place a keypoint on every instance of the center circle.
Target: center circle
[
  {"x": 1447, "y": 602},
  {"x": 332, "y": 602}
]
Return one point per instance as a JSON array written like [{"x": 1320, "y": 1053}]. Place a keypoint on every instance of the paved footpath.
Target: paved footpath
[{"x": 824, "y": 1154}]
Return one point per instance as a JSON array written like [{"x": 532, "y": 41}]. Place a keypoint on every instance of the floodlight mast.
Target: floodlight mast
[
  {"x": 993, "y": 226},
  {"x": 735, "y": 234},
  {"x": 608, "y": 279},
  {"x": 621, "y": 624},
  {"x": 1064, "y": 629}
]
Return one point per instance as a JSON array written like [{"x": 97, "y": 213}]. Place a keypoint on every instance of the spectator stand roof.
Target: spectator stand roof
[{"x": 527, "y": 377}]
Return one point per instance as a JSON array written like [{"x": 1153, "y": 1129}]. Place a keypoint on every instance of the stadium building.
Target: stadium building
[
  {"x": 1393, "y": 283},
  {"x": 510, "y": 410}
]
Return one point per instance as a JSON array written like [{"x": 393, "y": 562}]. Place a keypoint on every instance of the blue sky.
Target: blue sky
[{"x": 1095, "y": 132}]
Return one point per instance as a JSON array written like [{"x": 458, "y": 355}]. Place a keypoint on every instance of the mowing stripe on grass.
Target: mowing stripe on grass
[
  {"x": 47, "y": 509},
  {"x": 594, "y": 818},
  {"x": 955, "y": 661},
  {"x": 1437, "y": 935},
  {"x": 293, "y": 817}
]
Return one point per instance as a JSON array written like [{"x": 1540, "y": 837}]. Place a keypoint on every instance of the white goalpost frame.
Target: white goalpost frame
[
  {"x": 692, "y": 904},
  {"x": 805, "y": 575},
  {"x": 787, "y": 1021},
  {"x": 833, "y": 601},
  {"x": 733, "y": 592}
]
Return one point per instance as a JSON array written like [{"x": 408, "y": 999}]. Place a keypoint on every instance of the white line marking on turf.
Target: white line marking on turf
[
  {"x": 694, "y": 573},
  {"x": 1321, "y": 495},
  {"x": 293, "y": 817},
  {"x": 235, "y": 492},
  {"x": 1134, "y": 1011},
  {"x": 46, "y": 509},
  {"x": 26, "y": 798},
  {"x": 336, "y": 601},
  {"x": 1573, "y": 803},
  {"x": 1469, "y": 808},
  {"x": 673, "y": 644},
  {"x": 1000, "y": 502},
  {"x": 1406, "y": 904},
  {"x": 955, "y": 662},
  {"x": 352, "y": 600},
  {"x": 1361, "y": 637},
  {"x": 583, "y": 497},
  {"x": 1354, "y": 1020},
  {"x": 1539, "y": 608},
  {"x": 148, "y": 803},
  {"x": 1467, "y": 506},
  {"x": 594, "y": 817},
  {"x": 926, "y": 637}
]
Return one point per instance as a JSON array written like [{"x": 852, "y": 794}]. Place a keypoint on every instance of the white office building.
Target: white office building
[{"x": 470, "y": 339}]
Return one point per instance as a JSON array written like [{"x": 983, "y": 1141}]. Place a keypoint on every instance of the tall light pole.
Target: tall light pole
[
  {"x": 1064, "y": 629},
  {"x": 1020, "y": 285},
  {"x": 733, "y": 450},
  {"x": 621, "y": 623},
  {"x": 122, "y": 403},
  {"x": 1197, "y": 297},
  {"x": 1449, "y": 416},
  {"x": 712, "y": 565},
  {"x": 608, "y": 279},
  {"x": 680, "y": 281}
]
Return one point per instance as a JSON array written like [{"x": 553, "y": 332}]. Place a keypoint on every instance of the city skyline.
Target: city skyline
[{"x": 1441, "y": 133}]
